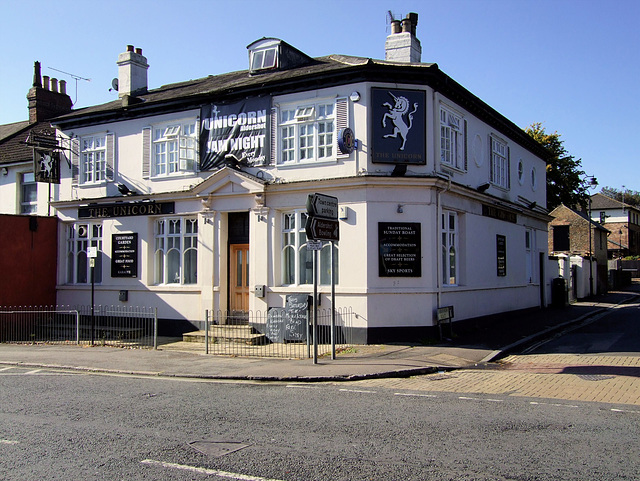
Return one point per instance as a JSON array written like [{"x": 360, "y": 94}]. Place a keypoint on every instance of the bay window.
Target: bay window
[
  {"x": 176, "y": 251},
  {"x": 80, "y": 237},
  {"x": 297, "y": 260}
]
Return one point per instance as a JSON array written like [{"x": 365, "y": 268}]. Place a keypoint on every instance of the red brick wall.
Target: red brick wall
[{"x": 28, "y": 255}]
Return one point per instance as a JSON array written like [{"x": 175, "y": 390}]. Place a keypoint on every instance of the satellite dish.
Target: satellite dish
[{"x": 114, "y": 84}]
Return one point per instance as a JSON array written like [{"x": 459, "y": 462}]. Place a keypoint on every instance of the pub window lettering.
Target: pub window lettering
[
  {"x": 306, "y": 133},
  {"x": 174, "y": 149},
  {"x": 79, "y": 238}
]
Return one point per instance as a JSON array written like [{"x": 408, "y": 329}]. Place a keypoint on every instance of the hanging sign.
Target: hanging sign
[
  {"x": 46, "y": 166},
  {"x": 238, "y": 129}
]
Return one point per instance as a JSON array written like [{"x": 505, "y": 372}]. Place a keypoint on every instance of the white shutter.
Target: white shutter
[
  {"x": 110, "y": 157},
  {"x": 146, "y": 152},
  {"x": 342, "y": 121},
  {"x": 273, "y": 137},
  {"x": 75, "y": 161}
]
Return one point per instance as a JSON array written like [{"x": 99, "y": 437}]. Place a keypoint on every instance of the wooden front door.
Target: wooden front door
[{"x": 239, "y": 278}]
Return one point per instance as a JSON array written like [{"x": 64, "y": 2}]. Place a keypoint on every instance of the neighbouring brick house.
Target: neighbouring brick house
[
  {"x": 622, "y": 220},
  {"x": 572, "y": 233}
]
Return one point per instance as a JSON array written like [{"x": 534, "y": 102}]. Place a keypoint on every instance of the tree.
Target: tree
[
  {"x": 565, "y": 180},
  {"x": 628, "y": 196}
]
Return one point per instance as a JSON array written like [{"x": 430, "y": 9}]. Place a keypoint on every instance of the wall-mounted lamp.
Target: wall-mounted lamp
[
  {"x": 400, "y": 209},
  {"x": 355, "y": 96},
  {"x": 5, "y": 171},
  {"x": 483, "y": 187}
]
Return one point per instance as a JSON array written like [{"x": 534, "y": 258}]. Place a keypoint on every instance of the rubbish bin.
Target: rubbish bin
[{"x": 559, "y": 292}]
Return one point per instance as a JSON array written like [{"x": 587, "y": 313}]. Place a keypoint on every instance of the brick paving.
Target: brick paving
[{"x": 570, "y": 377}]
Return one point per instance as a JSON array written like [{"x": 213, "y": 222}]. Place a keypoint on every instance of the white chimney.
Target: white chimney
[
  {"x": 402, "y": 45},
  {"x": 132, "y": 72}
]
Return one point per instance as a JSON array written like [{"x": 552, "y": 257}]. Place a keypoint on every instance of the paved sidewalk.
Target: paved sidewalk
[{"x": 475, "y": 345}]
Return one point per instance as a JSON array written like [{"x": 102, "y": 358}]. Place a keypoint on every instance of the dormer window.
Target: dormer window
[
  {"x": 268, "y": 54},
  {"x": 264, "y": 59}
]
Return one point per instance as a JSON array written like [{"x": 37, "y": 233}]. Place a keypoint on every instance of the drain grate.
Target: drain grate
[{"x": 217, "y": 448}]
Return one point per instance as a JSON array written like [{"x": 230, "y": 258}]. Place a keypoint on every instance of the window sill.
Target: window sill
[
  {"x": 176, "y": 175},
  {"x": 306, "y": 163}
]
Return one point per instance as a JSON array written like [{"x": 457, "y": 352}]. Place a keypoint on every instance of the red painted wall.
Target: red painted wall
[{"x": 28, "y": 259}]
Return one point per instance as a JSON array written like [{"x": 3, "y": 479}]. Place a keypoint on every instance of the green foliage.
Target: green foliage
[
  {"x": 628, "y": 196},
  {"x": 565, "y": 179}
]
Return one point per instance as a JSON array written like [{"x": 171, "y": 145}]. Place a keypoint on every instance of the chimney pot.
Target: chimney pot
[
  {"x": 37, "y": 82},
  {"x": 403, "y": 46},
  {"x": 54, "y": 84},
  {"x": 45, "y": 80},
  {"x": 139, "y": 51},
  {"x": 63, "y": 87},
  {"x": 129, "y": 48}
]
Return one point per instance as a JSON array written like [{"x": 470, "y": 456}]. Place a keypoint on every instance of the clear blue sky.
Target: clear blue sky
[{"x": 573, "y": 65}]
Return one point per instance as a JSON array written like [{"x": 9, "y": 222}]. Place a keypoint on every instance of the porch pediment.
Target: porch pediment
[{"x": 228, "y": 184}]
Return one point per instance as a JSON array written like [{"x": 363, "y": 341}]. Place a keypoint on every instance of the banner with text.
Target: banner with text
[{"x": 238, "y": 129}]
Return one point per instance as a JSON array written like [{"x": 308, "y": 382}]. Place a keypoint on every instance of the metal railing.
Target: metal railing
[
  {"x": 103, "y": 325},
  {"x": 276, "y": 333}
]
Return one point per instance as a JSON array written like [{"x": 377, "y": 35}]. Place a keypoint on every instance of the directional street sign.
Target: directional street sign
[
  {"x": 321, "y": 205},
  {"x": 318, "y": 228}
]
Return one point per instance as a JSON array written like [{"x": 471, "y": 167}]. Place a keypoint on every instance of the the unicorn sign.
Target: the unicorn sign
[{"x": 398, "y": 126}]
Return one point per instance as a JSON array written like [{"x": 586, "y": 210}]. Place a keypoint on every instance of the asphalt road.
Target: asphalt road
[
  {"x": 62, "y": 426},
  {"x": 617, "y": 331}
]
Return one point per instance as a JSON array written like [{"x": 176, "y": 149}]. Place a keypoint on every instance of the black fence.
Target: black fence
[{"x": 100, "y": 325}]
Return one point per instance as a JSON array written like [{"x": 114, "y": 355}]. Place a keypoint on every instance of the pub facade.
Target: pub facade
[{"x": 193, "y": 197}]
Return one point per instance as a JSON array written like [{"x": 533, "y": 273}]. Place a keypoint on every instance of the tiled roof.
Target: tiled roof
[
  {"x": 321, "y": 72},
  {"x": 12, "y": 140},
  {"x": 601, "y": 201}
]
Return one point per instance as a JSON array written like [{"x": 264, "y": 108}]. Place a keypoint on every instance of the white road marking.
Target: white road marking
[
  {"x": 413, "y": 395},
  {"x": 624, "y": 411},
  {"x": 6, "y": 368},
  {"x": 358, "y": 390},
  {"x": 299, "y": 386},
  {"x": 553, "y": 404},
  {"x": 35, "y": 371},
  {"x": 212, "y": 472},
  {"x": 480, "y": 399},
  {"x": 8, "y": 441}
]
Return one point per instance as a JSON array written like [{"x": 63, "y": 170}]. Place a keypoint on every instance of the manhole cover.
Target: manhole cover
[{"x": 217, "y": 448}]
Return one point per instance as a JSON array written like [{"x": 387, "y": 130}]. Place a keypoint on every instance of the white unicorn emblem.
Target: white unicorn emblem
[
  {"x": 46, "y": 165},
  {"x": 395, "y": 114}
]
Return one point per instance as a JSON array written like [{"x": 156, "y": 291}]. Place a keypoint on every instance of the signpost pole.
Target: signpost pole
[
  {"x": 333, "y": 305},
  {"x": 92, "y": 262},
  {"x": 315, "y": 307}
]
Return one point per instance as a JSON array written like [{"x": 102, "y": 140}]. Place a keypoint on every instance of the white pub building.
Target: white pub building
[{"x": 194, "y": 194}]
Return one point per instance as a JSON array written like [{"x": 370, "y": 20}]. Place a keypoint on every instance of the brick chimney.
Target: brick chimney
[
  {"x": 132, "y": 72},
  {"x": 45, "y": 102},
  {"x": 402, "y": 45}
]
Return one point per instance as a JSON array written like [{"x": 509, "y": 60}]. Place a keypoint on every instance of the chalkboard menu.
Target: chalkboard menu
[
  {"x": 289, "y": 323},
  {"x": 124, "y": 255},
  {"x": 399, "y": 245}
]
